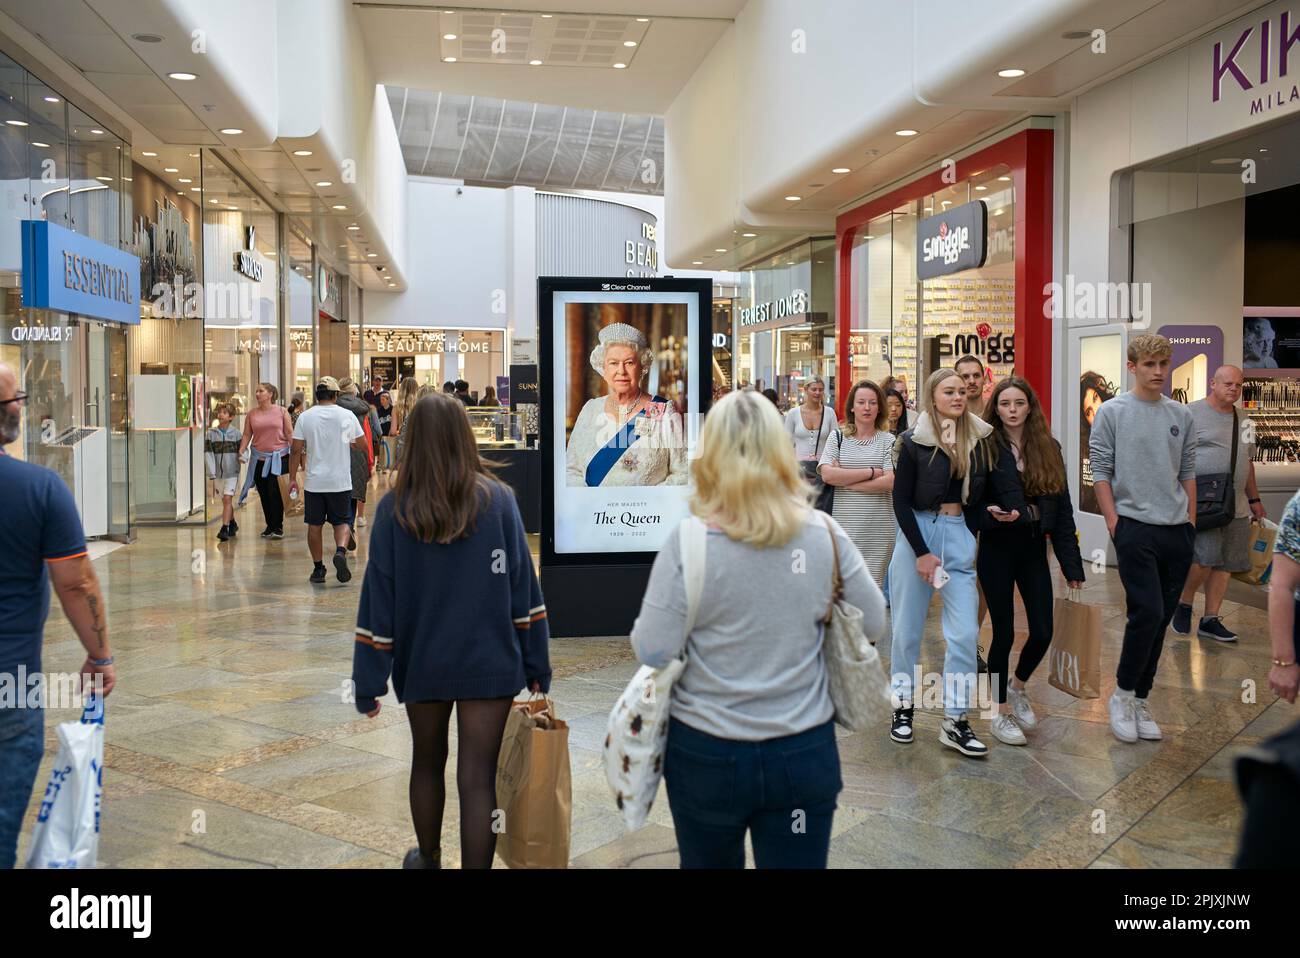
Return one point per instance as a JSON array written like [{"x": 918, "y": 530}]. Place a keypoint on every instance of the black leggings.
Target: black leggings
[
  {"x": 268, "y": 490},
  {"x": 1009, "y": 558},
  {"x": 480, "y": 724}
]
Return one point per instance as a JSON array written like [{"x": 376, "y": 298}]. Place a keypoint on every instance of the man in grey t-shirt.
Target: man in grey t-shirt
[
  {"x": 1143, "y": 452},
  {"x": 1223, "y": 551}
]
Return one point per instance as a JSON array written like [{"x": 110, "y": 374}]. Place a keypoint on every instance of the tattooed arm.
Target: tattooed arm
[{"x": 77, "y": 586}]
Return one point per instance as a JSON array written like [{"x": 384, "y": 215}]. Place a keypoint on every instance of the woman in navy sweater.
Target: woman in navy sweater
[{"x": 452, "y": 608}]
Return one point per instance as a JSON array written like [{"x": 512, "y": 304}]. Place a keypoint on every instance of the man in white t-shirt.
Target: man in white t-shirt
[{"x": 324, "y": 432}]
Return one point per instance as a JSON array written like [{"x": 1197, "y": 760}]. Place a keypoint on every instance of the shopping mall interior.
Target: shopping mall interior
[{"x": 218, "y": 204}]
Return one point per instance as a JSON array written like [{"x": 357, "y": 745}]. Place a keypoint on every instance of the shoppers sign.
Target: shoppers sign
[
  {"x": 1246, "y": 73},
  {"x": 952, "y": 241},
  {"x": 71, "y": 273}
]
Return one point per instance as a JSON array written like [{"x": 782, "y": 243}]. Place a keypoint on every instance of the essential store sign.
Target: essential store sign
[
  {"x": 952, "y": 241},
  {"x": 71, "y": 273},
  {"x": 795, "y": 304},
  {"x": 1244, "y": 73}
]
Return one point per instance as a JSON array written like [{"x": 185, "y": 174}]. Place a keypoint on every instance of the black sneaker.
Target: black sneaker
[
  {"x": 1212, "y": 627},
  {"x": 352, "y": 542},
  {"x": 901, "y": 728},
  {"x": 1182, "y": 621},
  {"x": 957, "y": 733},
  {"x": 341, "y": 566},
  {"x": 234, "y": 527},
  {"x": 276, "y": 534},
  {"x": 416, "y": 859},
  {"x": 318, "y": 573},
  {"x": 266, "y": 533},
  {"x": 224, "y": 534}
]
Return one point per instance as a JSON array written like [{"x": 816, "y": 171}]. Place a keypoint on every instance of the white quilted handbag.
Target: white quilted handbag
[
  {"x": 855, "y": 678},
  {"x": 638, "y": 726}
]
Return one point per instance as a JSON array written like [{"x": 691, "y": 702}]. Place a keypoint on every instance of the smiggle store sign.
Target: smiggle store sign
[{"x": 952, "y": 241}]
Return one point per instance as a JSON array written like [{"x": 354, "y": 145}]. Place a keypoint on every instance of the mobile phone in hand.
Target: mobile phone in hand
[{"x": 940, "y": 577}]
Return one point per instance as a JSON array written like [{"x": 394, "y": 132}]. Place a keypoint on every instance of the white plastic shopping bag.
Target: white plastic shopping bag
[{"x": 67, "y": 828}]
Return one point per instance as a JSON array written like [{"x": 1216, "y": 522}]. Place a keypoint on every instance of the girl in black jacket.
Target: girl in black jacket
[{"x": 1013, "y": 546}]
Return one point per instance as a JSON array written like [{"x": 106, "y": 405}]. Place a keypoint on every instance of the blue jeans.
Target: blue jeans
[
  {"x": 782, "y": 791},
  {"x": 22, "y": 743},
  {"x": 949, "y": 539}
]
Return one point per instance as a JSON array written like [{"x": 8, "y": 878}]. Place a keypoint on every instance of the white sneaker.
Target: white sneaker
[
  {"x": 1147, "y": 729},
  {"x": 1123, "y": 717},
  {"x": 1006, "y": 731},
  {"x": 361, "y": 520},
  {"x": 1021, "y": 709}
]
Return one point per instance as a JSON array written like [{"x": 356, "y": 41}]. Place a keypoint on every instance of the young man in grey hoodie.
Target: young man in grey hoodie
[{"x": 1143, "y": 449}]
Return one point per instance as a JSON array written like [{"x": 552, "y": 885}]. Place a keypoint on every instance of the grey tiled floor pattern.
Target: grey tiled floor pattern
[{"x": 228, "y": 744}]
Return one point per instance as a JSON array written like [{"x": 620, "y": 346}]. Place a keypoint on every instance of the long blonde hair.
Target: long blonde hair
[
  {"x": 407, "y": 393},
  {"x": 746, "y": 479},
  {"x": 964, "y": 433}
]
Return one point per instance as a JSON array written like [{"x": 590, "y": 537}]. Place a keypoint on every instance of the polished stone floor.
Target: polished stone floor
[{"x": 229, "y": 744}]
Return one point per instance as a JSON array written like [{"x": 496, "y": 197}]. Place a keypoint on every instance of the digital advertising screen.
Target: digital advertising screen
[
  {"x": 1102, "y": 376},
  {"x": 1270, "y": 341},
  {"x": 622, "y": 402}
]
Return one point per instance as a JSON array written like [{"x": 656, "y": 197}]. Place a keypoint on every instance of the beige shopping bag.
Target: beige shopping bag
[
  {"x": 1074, "y": 660},
  {"x": 1263, "y": 537},
  {"x": 534, "y": 788},
  {"x": 292, "y": 507}
]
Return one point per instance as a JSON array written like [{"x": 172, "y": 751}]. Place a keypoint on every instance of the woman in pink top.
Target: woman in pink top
[{"x": 269, "y": 431}]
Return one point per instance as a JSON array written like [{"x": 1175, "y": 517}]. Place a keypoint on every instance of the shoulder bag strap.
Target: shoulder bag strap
[
  {"x": 693, "y": 539},
  {"x": 1232, "y": 469},
  {"x": 837, "y": 583}
]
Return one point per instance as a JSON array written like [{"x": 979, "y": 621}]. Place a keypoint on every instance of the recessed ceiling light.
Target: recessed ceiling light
[
  {"x": 547, "y": 16},
  {"x": 449, "y": 36},
  {"x": 196, "y": 189},
  {"x": 749, "y": 235},
  {"x": 180, "y": 75},
  {"x": 371, "y": 255},
  {"x": 146, "y": 38},
  {"x": 629, "y": 43},
  {"x": 840, "y": 169},
  {"x": 302, "y": 152},
  {"x": 697, "y": 262},
  {"x": 184, "y": 179},
  {"x": 534, "y": 63},
  {"x": 620, "y": 66},
  {"x": 216, "y": 201},
  {"x": 16, "y": 122},
  {"x": 905, "y": 133},
  {"x": 170, "y": 169},
  {"x": 719, "y": 251},
  {"x": 929, "y": 209},
  {"x": 339, "y": 206},
  {"x": 354, "y": 227},
  {"x": 324, "y": 183},
  {"x": 50, "y": 99},
  {"x": 105, "y": 179},
  {"x": 1263, "y": 149},
  {"x": 868, "y": 236},
  {"x": 1004, "y": 179},
  {"x": 642, "y": 19},
  {"x": 194, "y": 156},
  {"x": 148, "y": 153},
  {"x": 44, "y": 146},
  {"x": 981, "y": 188},
  {"x": 448, "y": 59},
  {"x": 269, "y": 252},
  {"x": 793, "y": 199},
  {"x": 232, "y": 207},
  {"x": 946, "y": 203},
  {"x": 97, "y": 132},
  {"x": 1011, "y": 74},
  {"x": 231, "y": 131}
]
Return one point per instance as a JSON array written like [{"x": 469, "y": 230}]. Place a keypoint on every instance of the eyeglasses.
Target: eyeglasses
[{"x": 18, "y": 397}]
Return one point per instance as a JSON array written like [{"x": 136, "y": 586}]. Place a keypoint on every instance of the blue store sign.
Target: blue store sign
[{"x": 71, "y": 273}]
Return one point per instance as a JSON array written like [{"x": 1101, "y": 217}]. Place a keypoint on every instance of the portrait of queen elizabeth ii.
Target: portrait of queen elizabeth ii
[{"x": 626, "y": 437}]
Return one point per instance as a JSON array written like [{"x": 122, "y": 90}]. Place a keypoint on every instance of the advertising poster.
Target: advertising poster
[
  {"x": 1270, "y": 342},
  {"x": 622, "y": 403},
  {"x": 1102, "y": 375},
  {"x": 1198, "y": 352}
]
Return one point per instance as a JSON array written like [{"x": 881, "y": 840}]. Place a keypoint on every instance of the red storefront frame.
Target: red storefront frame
[{"x": 1028, "y": 154}]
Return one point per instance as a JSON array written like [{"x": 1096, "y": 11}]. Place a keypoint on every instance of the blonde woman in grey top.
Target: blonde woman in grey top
[{"x": 751, "y": 737}]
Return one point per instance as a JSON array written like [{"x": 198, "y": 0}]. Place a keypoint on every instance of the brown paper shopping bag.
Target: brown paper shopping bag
[
  {"x": 1074, "y": 660},
  {"x": 292, "y": 507},
  {"x": 534, "y": 788},
  {"x": 1263, "y": 537}
]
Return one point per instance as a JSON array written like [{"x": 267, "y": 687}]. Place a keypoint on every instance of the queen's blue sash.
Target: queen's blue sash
[{"x": 610, "y": 453}]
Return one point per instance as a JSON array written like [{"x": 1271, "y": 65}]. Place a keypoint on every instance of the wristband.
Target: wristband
[
  {"x": 100, "y": 663},
  {"x": 1252, "y": 501},
  {"x": 1283, "y": 665}
]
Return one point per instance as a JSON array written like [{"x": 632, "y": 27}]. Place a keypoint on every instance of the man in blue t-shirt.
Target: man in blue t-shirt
[{"x": 41, "y": 542}]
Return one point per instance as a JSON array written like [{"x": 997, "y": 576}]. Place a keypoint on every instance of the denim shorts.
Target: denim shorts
[{"x": 22, "y": 744}]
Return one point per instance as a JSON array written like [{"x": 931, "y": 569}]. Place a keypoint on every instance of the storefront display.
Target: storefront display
[
  {"x": 956, "y": 262},
  {"x": 433, "y": 356}
]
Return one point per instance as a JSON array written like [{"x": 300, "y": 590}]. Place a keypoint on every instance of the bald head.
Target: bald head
[{"x": 1225, "y": 388}]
